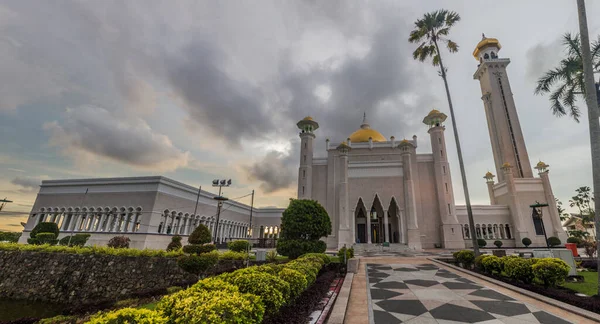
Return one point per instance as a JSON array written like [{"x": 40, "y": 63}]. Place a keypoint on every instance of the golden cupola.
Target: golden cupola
[
  {"x": 484, "y": 44},
  {"x": 365, "y": 132}
]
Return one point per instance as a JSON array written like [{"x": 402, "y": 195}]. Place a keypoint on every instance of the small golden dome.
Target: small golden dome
[
  {"x": 541, "y": 164},
  {"x": 489, "y": 175},
  {"x": 365, "y": 133},
  {"x": 434, "y": 111},
  {"x": 485, "y": 42},
  {"x": 307, "y": 118},
  {"x": 404, "y": 141},
  {"x": 506, "y": 165}
]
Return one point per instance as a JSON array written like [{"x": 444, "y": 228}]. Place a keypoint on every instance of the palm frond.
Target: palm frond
[
  {"x": 436, "y": 60},
  {"x": 568, "y": 100},
  {"x": 573, "y": 44},
  {"x": 548, "y": 80},
  {"x": 555, "y": 98},
  {"x": 452, "y": 46},
  {"x": 452, "y": 18},
  {"x": 596, "y": 54}
]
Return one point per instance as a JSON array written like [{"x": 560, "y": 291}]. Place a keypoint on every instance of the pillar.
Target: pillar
[
  {"x": 518, "y": 229},
  {"x": 345, "y": 236},
  {"x": 414, "y": 235},
  {"x": 368, "y": 228},
  {"x": 552, "y": 211},
  {"x": 307, "y": 127},
  {"x": 386, "y": 231}
]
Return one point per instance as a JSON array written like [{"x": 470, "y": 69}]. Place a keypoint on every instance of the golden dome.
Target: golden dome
[
  {"x": 489, "y": 175},
  {"x": 485, "y": 42},
  {"x": 307, "y": 118},
  {"x": 506, "y": 165},
  {"x": 433, "y": 112},
  {"x": 541, "y": 164},
  {"x": 365, "y": 132}
]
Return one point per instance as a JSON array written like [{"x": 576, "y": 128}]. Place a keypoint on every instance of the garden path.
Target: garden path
[{"x": 414, "y": 290}]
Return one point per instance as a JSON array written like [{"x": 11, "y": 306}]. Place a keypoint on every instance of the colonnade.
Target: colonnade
[
  {"x": 489, "y": 231},
  {"x": 179, "y": 223},
  {"x": 92, "y": 219}
]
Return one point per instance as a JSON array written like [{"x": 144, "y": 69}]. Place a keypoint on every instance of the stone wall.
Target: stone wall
[{"x": 77, "y": 279}]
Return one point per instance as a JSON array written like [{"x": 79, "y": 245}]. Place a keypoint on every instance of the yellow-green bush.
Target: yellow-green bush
[
  {"x": 492, "y": 264},
  {"x": 59, "y": 319},
  {"x": 129, "y": 315},
  {"x": 273, "y": 291},
  {"x": 322, "y": 256},
  {"x": 308, "y": 269},
  {"x": 212, "y": 306},
  {"x": 550, "y": 271},
  {"x": 479, "y": 261},
  {"x": 231, "y": 255},
  {"x": 239, "y": 245},
  {"x": 296, "y": 280},
  {"x": 519, "y": 269},
  {"x": 88, "y": 250},
  {"x": 214, "y": 283}
]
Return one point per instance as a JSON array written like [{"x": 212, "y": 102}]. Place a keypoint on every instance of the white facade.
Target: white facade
[{"x": 148, "y": 210}]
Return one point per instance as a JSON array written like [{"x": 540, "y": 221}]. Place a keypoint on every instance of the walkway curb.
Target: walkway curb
[
  {"x": 568, "y": 307},
  {"x": 338, "y": 314}
]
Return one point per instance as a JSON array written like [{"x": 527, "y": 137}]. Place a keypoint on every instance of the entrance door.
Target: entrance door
[{"x": 361, "y": 229}]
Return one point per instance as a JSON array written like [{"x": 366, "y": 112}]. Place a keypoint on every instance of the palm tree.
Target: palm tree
[{"x": 431, "y": 31}]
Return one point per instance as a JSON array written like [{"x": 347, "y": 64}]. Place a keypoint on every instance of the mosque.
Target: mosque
[
  {"x": 375, "y": 190},
  {"x": 383, "y": 191}
]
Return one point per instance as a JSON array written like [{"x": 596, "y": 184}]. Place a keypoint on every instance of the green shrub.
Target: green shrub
[
  {"x": 102, "y": 250},
  {"x": 526, "y": 241},
  {"x": 230, "y": 255},
  {"x": 212, "y": 306},
  {"x": 308, "y": 268},
  {"x": 551, "y": 271},
  {"x": 12, "y": 237},
  {"x": 273, "y": 291},
  {"x": 238, "y": 246},
  {"x": 349, "y": 254},
  {"x": 198, "y": 264},
  {"x": 492, "y": 264},
  {"x": 272, "y": 256},
  {"x": 46, "y": 238},
  {"x": 75, "y": 240},
  {"x": 214, "y": 283},
  {"x": 175, "y": 243},
  {"x": 554, "y": 241},
  {"x": 505, "y": 259},
  {"x": 455, "y": 256},
  {"x": 119, "y": 242},
  {"x": 290, "y": 248},
  {"x": 129, "y": 315},
  {"x": 322, "y": 256},
  {"x": 199, "y": 248},
  {"x": 519, "y": 269},
  {"x": 273, "y": 269},
  {"x": 573, "y": 239},
  {"x": 479, "y": 261},
  {"x": 44, "y": 227},
  {"x": 201, "y": 235},
  {"x": 174, "y": 289},
  {"x": 481, "y": 243},
  {"x": 295, "y": 279},
  {"x": 498, "y": 244},
  {"x": 466, "y": 257},
  {"x": 317, "y": 247}
]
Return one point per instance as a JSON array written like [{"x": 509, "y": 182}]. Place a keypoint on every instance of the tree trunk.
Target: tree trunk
[
  {"x": 460, "y": 158},
  {"x": 591, "y": 99}
]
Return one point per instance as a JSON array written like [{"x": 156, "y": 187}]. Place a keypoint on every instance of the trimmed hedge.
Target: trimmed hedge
[
  {"x": 46, "y": 238},
  {"x": 44, "y": 227},
  {"x": 492, "y": 264},
  {"x": 349, "y": 254},
  {"x": 119, "y": 242},
  {"x": 231, "y": 255},
  {"x": 526, "y": 241},
  {"x": 199, "y": 248},
  {"x": 87, "y": 250},
  {"x": 76, "y": 240},
  {"x": 238, "y": 246},
  {"x": 273, "y": 291},
  {"x": 129, "y": 315},
  {"x": 466, "y": 257},
  {"x": 295, "y": 248},
  {"x": 198, "y": 264},
  {"x": 554, "y": 241},
  {"x": 481, "y": 243},
  {"x": 551, "y": 271},
  {"x": 200, "y": 235},
  {"x": 175, "y": 243}
]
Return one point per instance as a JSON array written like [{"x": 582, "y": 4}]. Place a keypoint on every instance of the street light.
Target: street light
[
  {"x": 537, "y": 214},
  {"x": 219, "y": 183}
]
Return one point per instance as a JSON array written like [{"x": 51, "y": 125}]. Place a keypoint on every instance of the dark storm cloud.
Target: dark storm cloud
[{"x": 274, "y": 171}]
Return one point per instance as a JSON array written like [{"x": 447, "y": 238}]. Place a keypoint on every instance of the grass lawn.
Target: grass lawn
[{"x": 588, "y": 287}]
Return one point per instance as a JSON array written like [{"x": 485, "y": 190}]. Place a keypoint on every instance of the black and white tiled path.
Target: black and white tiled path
[{"x": 424, "y": 294}]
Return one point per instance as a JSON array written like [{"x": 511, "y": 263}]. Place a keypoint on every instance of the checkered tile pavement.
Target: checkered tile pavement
[{"x": 423, "y": 294}]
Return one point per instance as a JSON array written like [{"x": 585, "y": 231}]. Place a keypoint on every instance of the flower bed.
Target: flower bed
[
  {"x": 541, "y": 276},
  {"x": 246, "y": 295}
]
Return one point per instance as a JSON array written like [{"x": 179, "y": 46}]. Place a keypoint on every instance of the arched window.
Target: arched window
[
  {"x": 490, "y": 233},
  {"x": 486, "y": 56},
  {"x": 537, "y": 224},
  {"x": 493, "y": 55},
  {"x": 466, "y": 232},
  {"x": 262, "y": 232},
  {"x": 496, "y": 231},
  {"x": 508, "y": 233},
  {"x": 478, "y": 231}
]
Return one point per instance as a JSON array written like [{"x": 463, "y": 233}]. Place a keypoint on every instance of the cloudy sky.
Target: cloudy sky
[{"x": 206, "y": 89}]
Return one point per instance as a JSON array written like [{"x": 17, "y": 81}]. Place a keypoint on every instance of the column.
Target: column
[
  {"x": 345, "y": 236},
  {"x": 64, "y": 223},
  {"x": 552, "y": 210},
  {"x": 414, "y": 236},
  {"x": 514, "y": 205},
  {"x": 133, "y": 220},
  {"x": 386, "y": 231},
  {"x": 368, "y": 228},
  {"x": 171, "y": 224}
]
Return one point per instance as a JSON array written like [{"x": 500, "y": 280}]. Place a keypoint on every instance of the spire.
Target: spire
[
  {"x": 482, "y": 36},
  {"x": 365, "y": 123}
]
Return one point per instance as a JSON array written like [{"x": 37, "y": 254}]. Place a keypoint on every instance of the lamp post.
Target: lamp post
[
  {"x": 219, "y": 183},
  {"x": 537, "y": 213}
]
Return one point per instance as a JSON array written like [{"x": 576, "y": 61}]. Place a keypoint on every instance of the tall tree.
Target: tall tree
[
  {"x": 575, "y": 77},
  {"x": 431, "y": 31}
]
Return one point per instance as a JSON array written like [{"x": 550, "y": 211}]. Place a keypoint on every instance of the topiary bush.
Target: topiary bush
[
  {"x": 212, "y": 306},
  {"x": 119, "y": 242},
  {"x": 44, "y": 227},
  {"x": 303, "y": 223},
  {"x": 199, "y": 248},
  {"x": 198, "y": 264},
  {"x": 129, "y": 315},
  {"x": 46, "y": 238},
  {"x": 200, "y": 235},
  {"x": 526, "y": 241},
  {"x": 175, "y": 243},
  {"x": 554, "y": 241},
  {"x": 498, "y": 244},
  {"x": 466, "y": 257},
  {"x": 551, "y": 271},
  {"x": 238, "y": 246},
  {"x": 492, "y": 264},
  {"x": 481, "y": 243},
  {"x": 75, "y": 240},
  {"x": 12, "y": 237},
  {"x": 574, "y": 240}
]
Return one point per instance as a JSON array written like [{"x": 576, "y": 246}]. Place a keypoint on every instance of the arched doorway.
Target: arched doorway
[
  {"x": 376, "y": 219},
  {"x": 360, "y": 214}
]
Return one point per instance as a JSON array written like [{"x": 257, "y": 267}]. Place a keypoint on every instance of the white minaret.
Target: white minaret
[
  {"x": 506, "y": 136},
  {"x": 450, "y": 229},
  {"x": 307, "y": 127}
]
